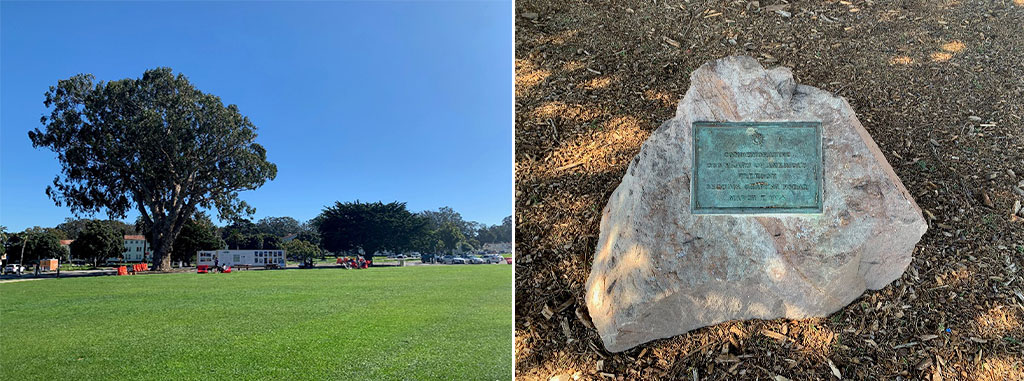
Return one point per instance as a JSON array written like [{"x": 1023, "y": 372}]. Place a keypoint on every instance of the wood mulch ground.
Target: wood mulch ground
[{"x": 938, "y": 84}]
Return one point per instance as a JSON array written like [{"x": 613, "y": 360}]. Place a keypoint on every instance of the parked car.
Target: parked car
[
  {"x": 447, "y": 259},
  {"x": 493, "y": 258},
  {"x": 459, "y": 261},
  {"x": 14, "y": 269},
  {"x": 475, "y": 260}
]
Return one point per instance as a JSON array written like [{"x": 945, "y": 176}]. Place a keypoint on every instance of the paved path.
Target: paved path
[{"x": 17, "y": 280}]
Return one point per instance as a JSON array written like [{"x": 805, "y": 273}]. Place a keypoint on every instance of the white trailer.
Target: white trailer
[{"x": 243, "y": 258}]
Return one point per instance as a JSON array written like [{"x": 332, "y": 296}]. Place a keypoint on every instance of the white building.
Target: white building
[
  {"x": 136, "y": 249},
  {"x": 258, "y": 258}
]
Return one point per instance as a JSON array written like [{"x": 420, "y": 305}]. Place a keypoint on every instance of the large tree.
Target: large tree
[
  {"x": 155, "y": 144},
  {"x": 370, "y": 227},
  {"x": 98, "y": 241}
]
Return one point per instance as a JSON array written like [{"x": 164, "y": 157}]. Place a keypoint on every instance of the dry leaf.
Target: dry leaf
[
  {"x": 547, "y": 312},
  {"x": 584, "y": 319},
  {"x": 775, "y": 335},
  {"x": 835, "y": 371},
  {"x": 776, "y": 7},
  {"x": 985, "y": 199}
]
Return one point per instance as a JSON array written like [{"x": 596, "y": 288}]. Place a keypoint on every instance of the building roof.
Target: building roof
[
  {"x": 66, "y": 241},
  {"x": 289, "y": 237},
  {"x": 135, "y": 237}
]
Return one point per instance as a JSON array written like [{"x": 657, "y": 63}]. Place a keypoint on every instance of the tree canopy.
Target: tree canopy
[
  {"x": 278, "y": 226},
  {"x": 302, "y": 250},
  {"x": 496, "y": 233},
  {"x": 239, "y": 234},
  {"x": 245, "y": 235},
  {"x": 73, "y": 227},
  {"x": 155, "y": 144},
  {"x": 368, "y": 227}
]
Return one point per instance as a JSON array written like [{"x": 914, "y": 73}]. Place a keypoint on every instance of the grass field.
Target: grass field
[{"x": 429, "y": 322}]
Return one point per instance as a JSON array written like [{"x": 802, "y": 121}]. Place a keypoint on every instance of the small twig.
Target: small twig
[{"x": 553, "y": 128}]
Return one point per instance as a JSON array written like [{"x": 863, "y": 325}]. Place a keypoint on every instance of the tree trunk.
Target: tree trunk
[
  {"x": 162, "y": 252},
  {"x": 164, "y": 230}
]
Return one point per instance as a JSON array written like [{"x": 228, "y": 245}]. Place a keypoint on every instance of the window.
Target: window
[{"x": 137, "y": 248}]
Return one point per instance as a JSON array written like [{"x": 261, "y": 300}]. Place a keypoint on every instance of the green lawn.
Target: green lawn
[{"x": 423, "y": 322}]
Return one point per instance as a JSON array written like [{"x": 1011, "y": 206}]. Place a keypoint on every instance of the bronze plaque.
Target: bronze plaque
[{"x": 756, "y": 168}]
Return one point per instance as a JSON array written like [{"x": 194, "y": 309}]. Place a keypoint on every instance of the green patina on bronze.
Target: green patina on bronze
[{"x": 756, "y": 168}]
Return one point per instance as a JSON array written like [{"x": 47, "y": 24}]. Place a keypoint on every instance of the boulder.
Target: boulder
[{"x": 660, "y": 271}]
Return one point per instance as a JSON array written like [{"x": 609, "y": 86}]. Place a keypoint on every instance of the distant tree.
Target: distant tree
[
  {"x": 252, "y": 242},
  {"x": 270, "y": 242},
  {"x": 98, "y": 241},
  {"x": 369, "y": 227},
  {"x": 427, "y": 242},
  {"x": 155, "y": 144},
  {"x": 278, "y": 226},
  {"x": 238, "y": 235},
  {"x": 59, "y": 234},
  {"x": 34, "y": 244},
  {"x": 302, "y": 250},
  {"x": 4, "y": 237},
  {"x": 504, "y": 232},
  {"x": 73, "y": 227},
  {"x": 309, "y": 233},
  {"x": 445, "y": 215},
  {"x": 450, "y": 236},
  {"x": 198, "y": 234},
  {"x": 486, "y": 235},
  {"x": 234, "y": 240},
  {"x": 496, "y": 233}
]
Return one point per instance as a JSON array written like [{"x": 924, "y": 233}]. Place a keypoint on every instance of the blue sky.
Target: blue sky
[{"x": 406, "y": 101}]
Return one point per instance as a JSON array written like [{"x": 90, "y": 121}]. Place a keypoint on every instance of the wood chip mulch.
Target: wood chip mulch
[{"x": 939, "y": 84}]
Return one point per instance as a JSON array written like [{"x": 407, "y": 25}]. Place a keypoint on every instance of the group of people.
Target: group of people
[{"x": 354, "y": 263}]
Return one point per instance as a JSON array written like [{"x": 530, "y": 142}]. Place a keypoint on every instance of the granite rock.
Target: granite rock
[{"x": 660, "y": 271}]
